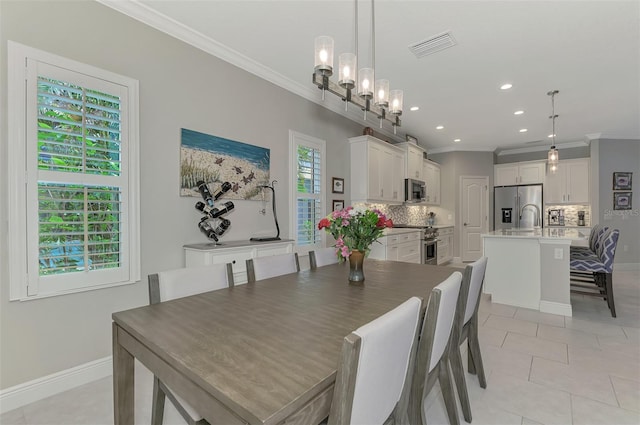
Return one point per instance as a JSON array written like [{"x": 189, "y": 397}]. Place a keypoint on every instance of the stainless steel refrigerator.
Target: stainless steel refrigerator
[{"x": 518, "y": 207}]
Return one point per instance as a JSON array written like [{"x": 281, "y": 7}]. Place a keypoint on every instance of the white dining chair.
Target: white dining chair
[
  {"x": 466, "y": 327},
  {"x": 375, "y": 370},
  {"x": 432, "y": 361},
  {"x": 179, "y": 283},
  {"x": 260, "y": 268},
  {"x": 322, "y": 257}
]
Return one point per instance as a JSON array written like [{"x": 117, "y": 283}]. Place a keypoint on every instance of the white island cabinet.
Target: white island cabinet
[
  {"x": 530, "y": 268},
  {"x": 234, "y": 252}
]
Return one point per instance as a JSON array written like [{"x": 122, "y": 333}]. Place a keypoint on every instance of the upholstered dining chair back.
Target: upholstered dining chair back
[
  {"x": 432, "y": 360},
  {"x": 466, "y": 328},
  {"x": 178, "y": 283},
  {"x": 376, "y": 366},
  {"x": 607, "y": 249},
  {"x": 478, "y": 269},
  {"x": 322, "y": 257},
  {"x": 260, "y": 268}
]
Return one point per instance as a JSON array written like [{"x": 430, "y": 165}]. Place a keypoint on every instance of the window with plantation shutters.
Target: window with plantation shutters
[
  {"x": 76, "y": 150},
  {"x": 308, "y": 177}
]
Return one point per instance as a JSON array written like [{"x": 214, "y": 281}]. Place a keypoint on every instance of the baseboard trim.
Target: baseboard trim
[
  {"x": 626, "y": 267},
  {"x": 29, "y": 392},
  {"x": 556, "y": 308}
]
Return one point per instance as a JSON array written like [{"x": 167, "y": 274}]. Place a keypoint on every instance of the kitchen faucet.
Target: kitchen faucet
[{"x": 536, "y": 223}]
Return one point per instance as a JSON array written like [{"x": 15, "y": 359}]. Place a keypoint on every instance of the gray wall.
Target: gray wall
[
  {"x": 452, "y": 166},
  {"x": 180, "y": 86},
  {"x": 620, "y": 155},
  {"x": 570, "y": 153}
]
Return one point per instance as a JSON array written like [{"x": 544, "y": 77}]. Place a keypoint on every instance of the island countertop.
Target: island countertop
[{"x": 576, "y": 236}]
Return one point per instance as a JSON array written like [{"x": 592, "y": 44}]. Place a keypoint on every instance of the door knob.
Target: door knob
[{"x": 464, "y": 224}]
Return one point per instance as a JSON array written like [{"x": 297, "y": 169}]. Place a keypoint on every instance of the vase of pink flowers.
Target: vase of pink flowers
[{"x": 355, "y": 229}]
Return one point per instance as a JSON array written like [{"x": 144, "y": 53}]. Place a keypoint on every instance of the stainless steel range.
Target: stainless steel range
[{"x": 429, "y": 253}]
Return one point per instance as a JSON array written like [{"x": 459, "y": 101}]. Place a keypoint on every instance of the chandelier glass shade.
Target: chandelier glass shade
[{"x": 371, "y": 95}]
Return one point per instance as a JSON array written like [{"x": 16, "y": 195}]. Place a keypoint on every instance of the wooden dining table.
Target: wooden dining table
[{"x": 261, "y": 353}]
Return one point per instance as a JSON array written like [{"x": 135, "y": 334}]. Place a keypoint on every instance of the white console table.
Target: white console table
[{"x": 234, "y": 252}]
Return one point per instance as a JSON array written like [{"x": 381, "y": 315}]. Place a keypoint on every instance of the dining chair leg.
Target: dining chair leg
[
  {"x": 474, "y": 355},
  {"x": 461, "y": 384},
  {"x": 609, "y": 291},
  {"x": 448, "y": 392},
  {"x": 157, "y": 405}
]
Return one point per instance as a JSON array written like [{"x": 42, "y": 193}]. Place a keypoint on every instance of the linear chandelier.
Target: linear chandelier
[
  {"x": 552, "y": 156},
  {"x": 371, "y": 95}
]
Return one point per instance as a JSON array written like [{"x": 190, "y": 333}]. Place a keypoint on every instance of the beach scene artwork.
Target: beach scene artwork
[{"x": 216, "y": 160}]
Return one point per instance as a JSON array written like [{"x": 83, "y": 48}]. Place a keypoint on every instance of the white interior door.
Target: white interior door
[{"x": 475, "y": 215}]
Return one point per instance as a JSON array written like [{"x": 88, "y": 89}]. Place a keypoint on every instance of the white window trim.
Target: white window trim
[
  {"x": 295, "y": 139},
  {"x": 17, "y": 168}
]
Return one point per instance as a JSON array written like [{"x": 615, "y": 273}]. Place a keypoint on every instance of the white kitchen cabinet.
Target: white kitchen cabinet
[
  {"x": 432, "y": 181},
  {"x": 377, "y": 171},
  {"x": 403, "y": 247},
  {"x": 519, "y": 173},
  {"x": 415, "y": 161},
  {"x": 445, "y": 245},
  {"x": 234, "y": 252},
  {"x": 569, "y": 184}
]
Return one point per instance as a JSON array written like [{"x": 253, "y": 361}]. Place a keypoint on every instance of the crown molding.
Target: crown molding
[
  {"x": 140, "y": 12},
  {"x": 461, "y": 149},
  {"x": 560, "y": 146}
]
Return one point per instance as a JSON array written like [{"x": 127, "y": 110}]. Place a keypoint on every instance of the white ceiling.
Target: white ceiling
[{"x": 588, "y": 50}]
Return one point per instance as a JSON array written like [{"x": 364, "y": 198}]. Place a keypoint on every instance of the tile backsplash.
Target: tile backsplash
[
  {"x": 570, "y": 214},
  {"x": 415, "y": 215}
]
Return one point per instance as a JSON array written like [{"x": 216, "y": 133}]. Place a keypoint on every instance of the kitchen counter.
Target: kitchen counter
[
  {"x": 576, "y": 236},
  {"x": 400, "y": 230},
  {"x": 530, "y": 267}
]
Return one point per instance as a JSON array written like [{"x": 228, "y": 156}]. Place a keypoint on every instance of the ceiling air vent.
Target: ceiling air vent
[{"x": 434, "y": 44}]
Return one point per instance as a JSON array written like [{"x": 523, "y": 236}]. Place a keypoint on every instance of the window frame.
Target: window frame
[
  {"x": 298, "y": 139},
  {"x": 23, "y": 173}
]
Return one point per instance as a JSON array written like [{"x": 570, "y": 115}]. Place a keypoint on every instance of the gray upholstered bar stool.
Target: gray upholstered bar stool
[
  {"x": 260, "y": 268},
  {"x": 179, "y": 283},
  {"x": 466, "y": 327},
  {"x": 375, "y": 369},
  {"x": 322, "y": 257},
  {"x": 432, "y": 361}
]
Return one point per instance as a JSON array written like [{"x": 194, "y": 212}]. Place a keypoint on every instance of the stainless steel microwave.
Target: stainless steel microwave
[{"x": 414, "y": 190}]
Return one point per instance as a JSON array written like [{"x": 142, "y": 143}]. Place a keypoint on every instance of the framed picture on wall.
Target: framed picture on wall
[
  {"x": 337, "y": 185},
  {"x": 622, "y": 181},
  {"x": 622, "y": 200},
  {"x": 338, "y": 204}
]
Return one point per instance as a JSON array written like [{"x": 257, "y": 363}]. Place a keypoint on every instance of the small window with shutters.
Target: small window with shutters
[
  {"x": 308, "y": 180},
  {"x": 76, "y": 150}
]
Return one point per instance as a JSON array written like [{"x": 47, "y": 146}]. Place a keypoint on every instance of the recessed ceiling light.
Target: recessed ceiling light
[
  {"x": 440, "y": 127},
  {"x": 506, "y": 86},
  {"x": 518, "y": 113},
  {"x": 414, "y": 108},
  {"x": 523, "y": 130},
  {"x": 456, "y": 140}
]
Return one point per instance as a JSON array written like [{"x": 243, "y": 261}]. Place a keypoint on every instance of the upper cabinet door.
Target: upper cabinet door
[
  {"x": 577, "y": 181},
  {"x": 505, "y": 175},
  {"x": 414, "y": 163},
  {"x": 531, "y": 173}
]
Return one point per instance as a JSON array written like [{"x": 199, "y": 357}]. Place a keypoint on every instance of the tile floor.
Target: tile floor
[{"x": 540, "y": 368}]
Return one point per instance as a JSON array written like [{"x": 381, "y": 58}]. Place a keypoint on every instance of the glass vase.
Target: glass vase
[{"x": 356, "y": 272}]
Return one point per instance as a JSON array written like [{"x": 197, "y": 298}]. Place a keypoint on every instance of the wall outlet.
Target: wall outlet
[
  {"x": 557, "y": 253},
  {"x": 625, "y": 248},
  {"x": 449, "y": 217}
]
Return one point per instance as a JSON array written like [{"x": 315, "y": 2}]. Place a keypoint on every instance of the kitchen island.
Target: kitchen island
[{"x": 530, "y": 267}]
